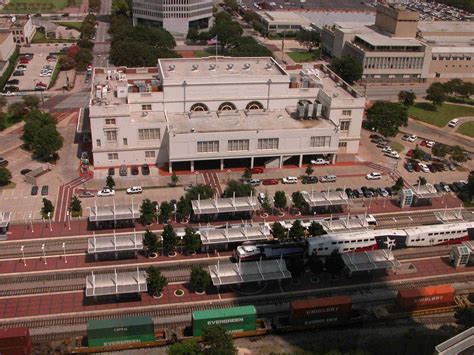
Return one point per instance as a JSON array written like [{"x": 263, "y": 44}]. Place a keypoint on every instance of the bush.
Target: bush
[{"x": 200, "y": 278}]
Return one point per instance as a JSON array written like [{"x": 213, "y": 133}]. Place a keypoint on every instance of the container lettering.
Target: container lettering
[
  {"x": 225, "y": 321},
  {"x": 322, "y": 310},
  {"x": 428, "y": 299}
]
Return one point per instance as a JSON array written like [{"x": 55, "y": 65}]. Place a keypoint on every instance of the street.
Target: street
[{"x": 102, "y": 40}]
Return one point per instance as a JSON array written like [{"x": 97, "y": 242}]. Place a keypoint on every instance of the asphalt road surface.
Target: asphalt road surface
[{"x": 102, "y": 38}]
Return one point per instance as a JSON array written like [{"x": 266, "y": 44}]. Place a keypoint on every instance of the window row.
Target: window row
[
  {"x": 148, "y": 154},
  {"x": 144, "y": 134},
  {"x": 354, "y": 241},
  {"x": 448, "y": 232}
]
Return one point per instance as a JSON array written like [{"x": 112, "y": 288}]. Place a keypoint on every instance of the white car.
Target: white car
[
  {"x": 9, "y": 93},
  {"x": 412, "y": 138},
  {"x": 373, "y": 176},
  {"x": 387, "y": 150},
  {"x": 424, "y": 168},
  {"x": 328, "y": 178},
  {"x": 134, "y": 190},
  {"x": 261, "y": 196},
  {"x": 45, "y": 74},
  {"x": 290, "y": 180},
  {"x": 393, "y": 154},
  {"x": 430, "y": 144},
  {"x": 320, "y": 161},
  {"x": 106, "y": 191}
]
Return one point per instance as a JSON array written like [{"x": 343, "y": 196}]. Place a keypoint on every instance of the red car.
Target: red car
[
  {"x": 270, "y": 182},
  {"x": 423, "y": 143},
  {"x": 409, "y": 153},
  {"x": 24, "y": 61},
  {"x": 257, "y": 170}
]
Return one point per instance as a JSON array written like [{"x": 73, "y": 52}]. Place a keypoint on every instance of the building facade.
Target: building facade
[
  {"x": 21, "y": 27},
  {"x": 283, "y": 21},
  {"x": 176, "y": 16},
  {"x": 7, "y": 45},
  {"x": 225, "y": 112}
]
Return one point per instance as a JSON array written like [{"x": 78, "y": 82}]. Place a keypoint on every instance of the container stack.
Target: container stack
[
  {"x": 15, "y": 341},
  {"x": 418, "y": 299},
  {"x": 233, "y": 320},
  {"x": 320, "y": 311}
]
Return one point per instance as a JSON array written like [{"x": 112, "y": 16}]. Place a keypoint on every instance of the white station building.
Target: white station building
[{"x": 222, "y": 112}]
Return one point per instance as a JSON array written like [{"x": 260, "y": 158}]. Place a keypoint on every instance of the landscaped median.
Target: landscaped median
[
  {"x": 467, "y": 129},
  {"x": 426, "y": 112},
  {"x": 301, "y": 57}
]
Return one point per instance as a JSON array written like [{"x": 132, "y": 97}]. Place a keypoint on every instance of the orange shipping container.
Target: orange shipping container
[
  {"x": 318, "y": 308},
  {"x": 426, "y": 297}
]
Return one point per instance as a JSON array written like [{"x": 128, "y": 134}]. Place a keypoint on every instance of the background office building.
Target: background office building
[
  {"x": 219, "y": 113},
  {"x": 176, "y": 16}
]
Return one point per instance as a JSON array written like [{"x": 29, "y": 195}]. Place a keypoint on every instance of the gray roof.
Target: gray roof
[
  {"x": 114, "y": 212},
  {"x": 462, "y": 343},
  {"x": 225, "y": 205},
  {"x": 246, "y": 232},
  {"x": 264, "y": 270},
  {"x": 116, "y": 283},
  {"x": 4, "y": 219},
  {"x": 370, "y": 260},
  {"x": 325, "y": 198},
  {"x": 115, "y": 243}
]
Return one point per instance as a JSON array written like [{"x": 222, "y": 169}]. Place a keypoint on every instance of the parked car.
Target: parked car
[
  {"x": 349, "y": 192},
  {"x": 328, "y": 178},
  {"x": 438, "y": 187},
  {"x": 445, "y": 187},
  {"x": 11, "y": 88},
  {"x": 409, "y": 153},
  {"x": 253, "y": 182},
  {"x": 373, "y": 176},
  {"x": 257, "y": 170},
  {"x": 25, "y": 171},
  {"x": 320, "y": 161},
  {"x": 64, "y": 49},
  {"x": 44, "y": 190},
  {"x": 454, "y": 187},
  {"x": 123, "y": 170},
  {"x": 389, "y": 191},
  {"x": 34, "y": 190},
  {"x": 134, "y": 190},
  {"x": 412, "y": 138},
  {"x": 3, "y": 162},
  {"x": 86, "y": 193},
  {"x": 453, "y": 123},
  {"x": 433, "y": 168},
  {"x": 383, "y": 192},
  {"x": 309, "y": 180},
  {"x": 423, "y": 167},
  {"x": 106, "y": 191},
  {"x": 13, "y": 82},
  {"x": 111, "y": 171},
  {"x": 405, "y": 137},
  {"x": 452, "y": 167},
  {"x": 409, "y": 167},
  {"x": 430, "y": 144},
  {"x": 24, "y": 61},
  {"x": 145, "y": 169},
  {"x": 134, "y": 170},
  {"x": 270, "y": 182},
  {"x": 290, "y": 180},
  {"x": 18, "y": 73},
  {"x": 393, "y": 154}
]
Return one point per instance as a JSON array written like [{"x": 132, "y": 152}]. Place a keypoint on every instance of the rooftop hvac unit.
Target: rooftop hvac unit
[
  {"x": 318, "y": 108},
  {"x": 212, "y": 67},
  {"x": 172, "y": 67},
  {"x": 230, "y": 66},
  {"x": 195, "y": 67},
  {"x": 145, "y": 114},
  {"x": 269, "y": 66},
  {"x": 246, "y": 66}
]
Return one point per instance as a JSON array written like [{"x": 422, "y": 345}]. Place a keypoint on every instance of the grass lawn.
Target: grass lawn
[
  {"x": 467, "y": 129},
  {"x": 39, "y": 37},
  {"x": 72, "y": 24},
  {"x": 446, "y": 112},
  {"x": 208, "y": 52},
  {"x": 37, "y": 6},
  {"x": 300, "y": 57},
  {"x": 397, "y": 146}
]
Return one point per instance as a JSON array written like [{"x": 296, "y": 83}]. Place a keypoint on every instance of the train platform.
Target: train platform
[{"x": 52, "y": 304}]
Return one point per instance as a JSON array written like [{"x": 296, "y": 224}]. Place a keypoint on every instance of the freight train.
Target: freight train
[{"x": 421, "y": 236}]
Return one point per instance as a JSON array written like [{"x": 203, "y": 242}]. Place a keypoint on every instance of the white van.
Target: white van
[{"x": 453, "y": 123}]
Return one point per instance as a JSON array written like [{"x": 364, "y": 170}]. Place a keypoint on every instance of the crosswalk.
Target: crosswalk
[{"x": 211, "y": 179}]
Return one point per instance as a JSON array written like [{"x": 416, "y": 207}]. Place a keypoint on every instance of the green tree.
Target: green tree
[
  {"x": 217, "y": 341},
  {"x": 192, "y": 240},
  {"x": 16, "y": 111},
  {"x": 452, "y": 86},
  {"x": 199, "y": 191},
  {"x": 75, "y": 206},
  {"x": 193, "y": 35},
  {"x": 133, "y": 54},
  {"x": 297, "y": 230},
  {"x": 246, "y": 46},
  {"x": 406, "y": 98},
  {"x": 309, "y": 169},
  {"x": 349, "y": 69},
  {"x": 83, "y": 58},
  {"x": 110, "y": 182},
  {"x": 200, "y": 278},
  {"x": 174, "y": 179},
  {"x": 398, "y": 184},
  {"x": 334, "y": 263},
  {"x": 465, "y": 317},
  {"x": 165, "y": 211},
  {"x": 147, "y": 211},
  {"x": 3, "y": 102},
  {"x": 421, "y": 180},
  {"x": 47, "y": 208},
  {"x": 183, "y": 208},
  {"x": 418, "y": 153},
  {"x": 169, "y": 239},
  {"x": 440, "y": 150},
  {"x": 232, "y": 4},
  {"x": 280, "y": 199},
  {"x": 240, "y": 189},
  {"x": 186, "y": 347},
  {"x": 296, "y": 266},
  {"x": 458, "y": 154},
  {"x": 94, "y": 5},
  {"x": 278, "y": 231},
  {"x": 265, "y": 203},
  {"x": 436, "y": 94},
  {"x": 387, "y": 117},
  {"x": 121, "y": 7},
  {"x": 227, "y": 31},
  {"x": 5, "y": 176},
  {"x": 151, "y": 242},
  {"x": 308, "y": 38},
  {"x": 298, "y": 200},
  {"x": 247, "y": 174},
  {"x": 85, "y": 43},
  {"x": 316, "y": 229},
  {"x": 31, "y": 101},
  {"x": 316, "y": 265},
  {"x": 155, "y": 281}
]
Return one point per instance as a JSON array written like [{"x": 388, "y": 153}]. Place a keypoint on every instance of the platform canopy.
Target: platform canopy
[
  {"x": 116, "y": 283},
  {"x": 370, "y": 260},
  {"x": 426, "y": 191},
  {"x": 114, "y": 243},
  {"x": 4, "y": 219},
  {"x": 107, "y": 213},
  {"x": 235, "y": 234},
  {"x": 325, "y": 198},
  {"x": 252, "y": 271},
  {"x": 218, "y": 205}
]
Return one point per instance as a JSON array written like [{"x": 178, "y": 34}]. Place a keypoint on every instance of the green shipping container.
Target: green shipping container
[
  {"x": 236, "y": 319},
  {"x": 120, "y": 331}
]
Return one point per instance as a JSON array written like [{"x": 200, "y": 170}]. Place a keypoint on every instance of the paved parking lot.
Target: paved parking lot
[{"x": 33, "y": 70}]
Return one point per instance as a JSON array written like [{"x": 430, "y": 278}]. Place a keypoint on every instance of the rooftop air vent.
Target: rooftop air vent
[
  {"x": 145, "y": 114},
  {"x": 195, "y": 67},
  {"x": 172, "y": 67},
  {"x": 212, "y": 67},
  {"x": 230, "y": 66},
  {"x": 246, "y": 66},
  {"x": 269, "y": 66}
]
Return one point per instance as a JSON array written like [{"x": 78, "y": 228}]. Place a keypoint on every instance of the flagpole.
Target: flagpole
[{"x": 216, "y": 51}]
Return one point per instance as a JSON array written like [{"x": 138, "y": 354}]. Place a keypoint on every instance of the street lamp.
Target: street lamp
[
  {"x": 23, "y": 254},
  {"x": 50, "y": 225},
  {"x": 157, "y": 207},
  {"x": 31, "y": 222},
  {"x": 196, "y": 174},
  {"x": 64, "y": 250},
  {"x": 228, "y": 175},
  {"x": 68, "y": 217},
  {"x": 44, "y": 253}
]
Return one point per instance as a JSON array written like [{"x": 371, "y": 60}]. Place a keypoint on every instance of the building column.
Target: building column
[
  {"x": 281, "y": 161},
  {"x": 333, "y": 160},
  {"x": 300, "y": 164},
  {"x": 170, "y": 167},
  {"x": 251, "y": 162},
  {"x": 192, "y": 165},
  {"x": 222, "y": 164}
]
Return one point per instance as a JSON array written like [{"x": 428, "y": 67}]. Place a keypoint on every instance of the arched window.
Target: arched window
[
  {"x": 199, "y": 107},
  {"x": 254, "y": 105},
  {"x": 227, "y": 106}
]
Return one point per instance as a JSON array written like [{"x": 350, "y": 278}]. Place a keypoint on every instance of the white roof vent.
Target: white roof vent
[
  {"x": 172, "y": 67},
  {"x": 193, "y": 130},
  {"x": 145, "y": 114},
  {"x": 230, "y": 66},
  {"x": 246, "y": 66},
  {"x": 195, "y": 67},
  {"x": 212, "y": 67},
  {"x": 269, "y": 66}
]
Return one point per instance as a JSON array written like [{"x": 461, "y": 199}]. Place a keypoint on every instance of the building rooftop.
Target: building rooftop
[
  {"x": 284, "y": 16},
  {"x": 232, "y": 234},
  {"x": 115, "y": 243},
  {"x": 460, "y": 344},
  {"x": 4, "y": 36},
  {"x": 6, "y": 22},
  {"x": 221, "y": 67},
  {"x": 321, "y": 19},
  {"x": 225, "y": 205},
  {"x": 116, "y": 283},
  {"x": 448, "y": 27},
  {"x": 379, "y": 40},
  {"x": 370, "y": 260},
  {"x": 450, "y": 43},
  {"x": 114, "y": 212}
]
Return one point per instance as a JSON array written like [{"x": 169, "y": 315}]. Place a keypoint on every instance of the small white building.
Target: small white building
[
  {"x": 283, "y": 21},
  {"x": 21, "y": 27},
  {"x": 208, "y": 112}
]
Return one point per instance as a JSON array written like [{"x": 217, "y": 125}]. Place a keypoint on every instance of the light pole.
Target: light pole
[
  {"x": 228, "y": 175},
  {"x": 196, "y": 174},
  {"x": 44, "y": 253},
  {"x": 50, "y": 225},
  {"x": 157, "y": 213},
  {"x": 31, "y": 222},
  {"x": 68, "y": 217},
  {"x": 23, "y": 254},
  {"x": 64, "y": 250}
]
